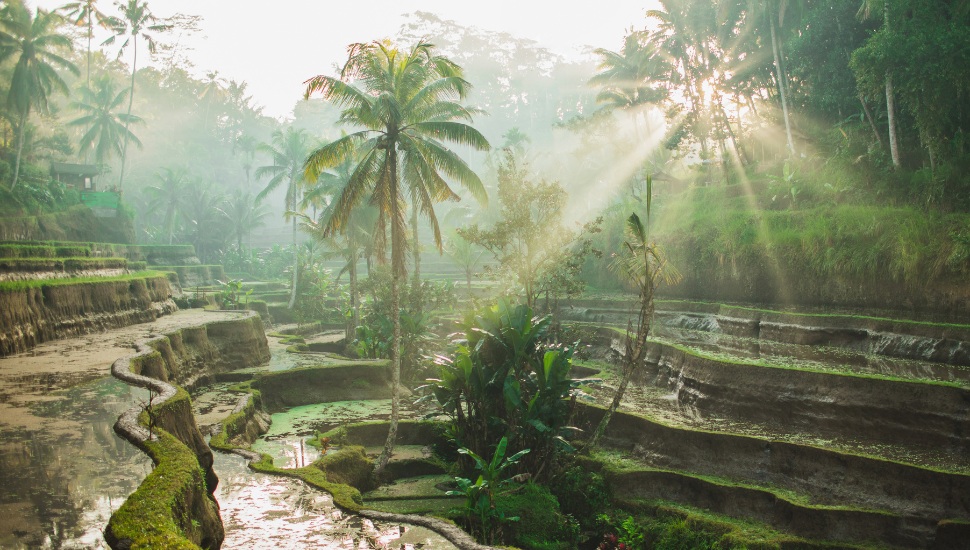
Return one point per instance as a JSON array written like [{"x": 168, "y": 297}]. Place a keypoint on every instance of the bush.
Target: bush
[
  {"x": 583, "y": 495},
  {"x": 541, "y": 524}
]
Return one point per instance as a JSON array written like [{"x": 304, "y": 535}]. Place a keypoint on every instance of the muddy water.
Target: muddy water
[
  {"x": 260, "y": 511},
  {"x": 59, "y": 484}
]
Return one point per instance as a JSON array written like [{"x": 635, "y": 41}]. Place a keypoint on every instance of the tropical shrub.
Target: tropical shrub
[{"x": 505, "y": 381}]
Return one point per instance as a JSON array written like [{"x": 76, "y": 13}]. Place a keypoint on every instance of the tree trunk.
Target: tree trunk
[
  {"x": 416, "y": 252},
  {"x": 20, "y": 146},
  {"x": 891, "y": 105},
  {"x": 872, "y": 123},
  {"x": 397, "y": 270},
  {"x": 891, "y": 115},
  {"x": 634, "y": 356},
  {"x": 296, "y": 266},
  {"x": 354, "y": 311},
  {"x": 781, "y": 87},
  {"x": 131, "y": 98}
]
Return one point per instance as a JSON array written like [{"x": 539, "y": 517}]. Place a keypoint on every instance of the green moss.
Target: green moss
[
  {"x": 21, "y": 285},
  {"x": 541, "y": 525},
  {"x": 344, "y": 496}
]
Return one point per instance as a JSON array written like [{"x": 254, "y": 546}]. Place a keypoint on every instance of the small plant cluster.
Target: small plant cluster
[{"x": 230, "y": 295}]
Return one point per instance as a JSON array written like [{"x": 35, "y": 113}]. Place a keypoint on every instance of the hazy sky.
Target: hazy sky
[{"x": 276, "y": 46}]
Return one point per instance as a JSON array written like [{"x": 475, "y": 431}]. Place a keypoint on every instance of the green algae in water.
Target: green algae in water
[{"x": 287, "y": 439}]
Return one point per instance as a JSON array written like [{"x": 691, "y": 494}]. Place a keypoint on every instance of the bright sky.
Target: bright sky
[{"x": 276, "y": 46}]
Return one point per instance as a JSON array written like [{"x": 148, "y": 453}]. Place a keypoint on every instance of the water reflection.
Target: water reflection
[
  {"x": 262, "y": 511},
  {"x": 60, "y": 484}
]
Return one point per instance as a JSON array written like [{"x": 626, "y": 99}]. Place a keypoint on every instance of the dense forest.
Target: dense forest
[{"x": 854, "y": 112}]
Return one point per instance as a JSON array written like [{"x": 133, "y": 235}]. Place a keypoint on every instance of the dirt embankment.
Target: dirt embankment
[
  {"x": 174, "y": 506},
  {"x": 33, "y": 315}
]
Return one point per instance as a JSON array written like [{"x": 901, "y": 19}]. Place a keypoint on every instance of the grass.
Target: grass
[{"x": 22, "y": 285}]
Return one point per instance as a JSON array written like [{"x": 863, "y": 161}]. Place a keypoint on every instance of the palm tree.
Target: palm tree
[
  {"x": 136, "y": 20},
  {"x": 213, "y": 90},
  {"x": 104, "y": 125},
  {"x": 407, "y": 104},
  {"x": 247, "y": 145},
  {"x": 865, "y": 12},
  {"x": 204, "y": 212},
  {"x": 245, "y": 214},
  {"x": 642, "y": 263},
  {"x": 169, "y": 193},
  {"x": 628, "y": 79},
  {"x": 85, "y": 14},
  {"x": 33, "y": 39},
  {"x": 288, "y": 150}
]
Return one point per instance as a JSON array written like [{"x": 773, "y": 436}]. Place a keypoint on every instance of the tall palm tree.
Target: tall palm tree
[
  {"x": 288, "y": 150},
  {"x": 135, "y": 21},
  {"x": 204, "y": 212},
  {"x": 85, "y": 14},
  {"x": 406, "y": 105},
  {"x": 632, "y": 78},
  {"x": 247, "y": 145},
  {"x": 104, "y": 126},
  {"x": 33, "y": 39},
  {"x": 213, "y": 91},
  {"x": 169, "y": 192},
  {"x": 643, "y": 264},
  {"x": 245, "y": 214},
  {"x": 865, "y": 12}
]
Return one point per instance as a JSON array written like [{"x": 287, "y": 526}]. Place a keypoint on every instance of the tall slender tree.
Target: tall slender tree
[
  {"x": 136, "y": 21},
  {"x": 406, "y": 104},
  {"x": 106, "y": 129},
  {"x": 86, "y": 14},
  {"x": 288, "y": 150},
  {"x": 169, "y": 193},
  {"x": 34, "y": 41},
  {"x": 247, "y": 146}
]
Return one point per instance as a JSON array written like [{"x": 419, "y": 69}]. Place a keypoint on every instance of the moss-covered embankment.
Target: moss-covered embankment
[
  {"x": 35, "y": 313},
  {"x": 826, "y": 476},
  {"x": 174, "y": 506},
  {"x": 345, "y": 381},
  {"x": 822, "y": 403},
  {"x": 33, "y": 269}
]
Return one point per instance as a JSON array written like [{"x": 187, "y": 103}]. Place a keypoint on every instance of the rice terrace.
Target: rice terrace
[{"x": 656, "y": 275}]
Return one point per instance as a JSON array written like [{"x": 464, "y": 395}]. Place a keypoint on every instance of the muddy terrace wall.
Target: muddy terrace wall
[
  {"x": 325, "y": 384},
  {"x": 30, "y": 316},
  {"x": 174, "y": 506}
]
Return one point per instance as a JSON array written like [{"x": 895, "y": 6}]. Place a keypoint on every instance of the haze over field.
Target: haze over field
[{"x": 276, "y": 49}]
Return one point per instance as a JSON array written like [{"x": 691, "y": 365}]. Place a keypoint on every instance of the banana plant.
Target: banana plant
[{"x": 480, "y": 495}]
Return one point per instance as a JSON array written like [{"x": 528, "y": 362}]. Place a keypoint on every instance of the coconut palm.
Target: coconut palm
[
  {"x": 247, "y": 146},
  {"x": 632, "y": 78},
  {"x": 212, "y": 91},
  {"x": 105, "y": 129},
  {"x": 34, "y": 41},
  {"x": 288, "y": 150},
  {"x": 169, "y": 193},
  {"x": 85, "y": 14},
  {"x": 245, "y": 214},
  {"x": 205, "y": 215},
  {"x": 135, "y": 21},
  {"x": 405, "y": 106},
  {"x": 643, "y": 264}
]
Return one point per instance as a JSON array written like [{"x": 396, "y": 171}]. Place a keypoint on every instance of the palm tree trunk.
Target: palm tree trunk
[
  {"x": 397, "y": 269},
  {"x": 416, "y": 251},
  {"x": 872, "y": 124},
  {"x": 891, "y": 105},
  {"x": 131, "y": 98},
  {"x": 20, "y": 146},
  {"x": 781, "y": 86},
  {"x": 296, "y": 264},
  {"x": 354, "y": 308},
  {"x": 635, "y": 353}
]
